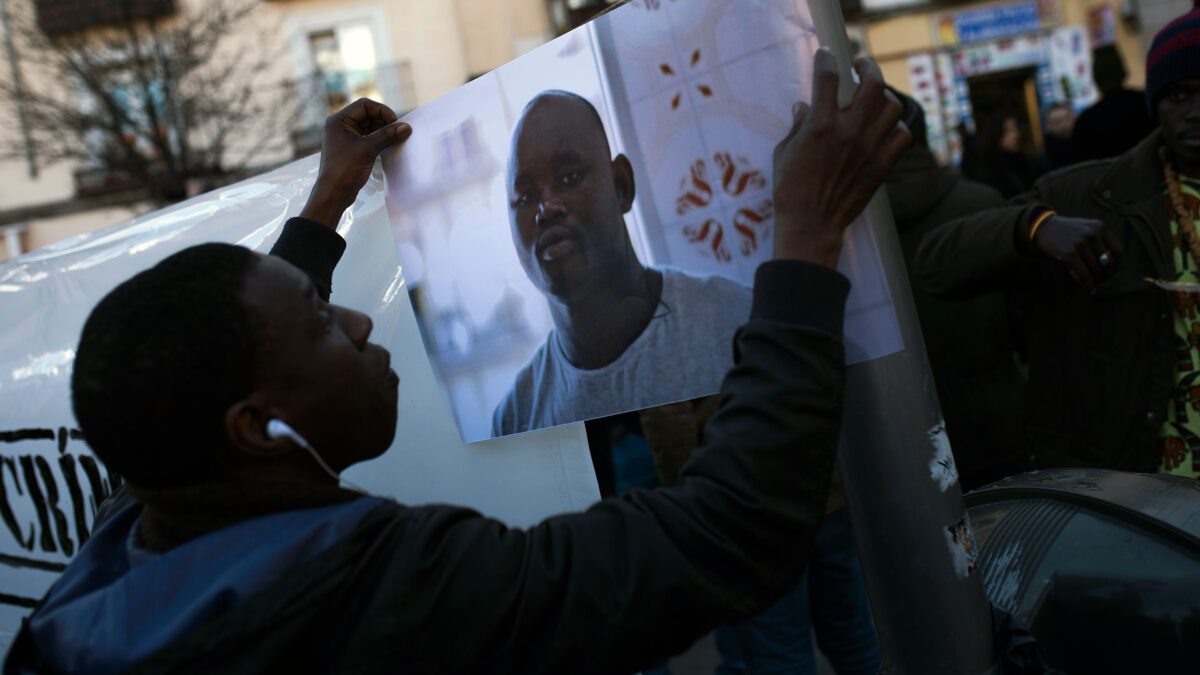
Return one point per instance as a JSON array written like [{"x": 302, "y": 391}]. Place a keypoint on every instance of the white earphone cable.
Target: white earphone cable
[
  {"x": 277, "y": 428},
  {"x": 317, "y": 456}
]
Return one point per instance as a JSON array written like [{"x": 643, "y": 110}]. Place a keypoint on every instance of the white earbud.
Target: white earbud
[{"x": 277, "y": 428}]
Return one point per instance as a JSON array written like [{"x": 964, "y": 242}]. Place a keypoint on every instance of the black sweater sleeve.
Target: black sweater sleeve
[
  {"x": 635, "y": 579},
  {"x": 314, "y": 248}
]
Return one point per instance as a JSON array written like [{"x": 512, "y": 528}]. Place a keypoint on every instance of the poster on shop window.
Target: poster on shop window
[{"x": 581, "y": 226}]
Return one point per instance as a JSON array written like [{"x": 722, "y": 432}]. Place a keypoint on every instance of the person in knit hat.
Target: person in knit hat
[
  {"x": 1107, "y": 258},
  {"x": 1118, "y": 121}
]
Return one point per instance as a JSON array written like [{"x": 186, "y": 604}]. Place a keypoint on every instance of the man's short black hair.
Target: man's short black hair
[
  {"x": 560, "y": 93},
  {"x": 160, "y": 359}
]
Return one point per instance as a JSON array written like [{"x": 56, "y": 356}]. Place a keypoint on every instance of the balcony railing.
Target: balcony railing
[{"x": 94, "y": 182}]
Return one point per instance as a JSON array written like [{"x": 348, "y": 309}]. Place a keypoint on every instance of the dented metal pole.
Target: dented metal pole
[{"x": 914, "y": 539}]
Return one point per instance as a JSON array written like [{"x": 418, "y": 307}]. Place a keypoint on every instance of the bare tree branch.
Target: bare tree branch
[{"x": 158, "y": 99}]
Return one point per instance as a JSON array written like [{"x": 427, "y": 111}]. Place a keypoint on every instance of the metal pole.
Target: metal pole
[
  {"x": 914, "y": 539},
  {"x": 18, "y": 90}
]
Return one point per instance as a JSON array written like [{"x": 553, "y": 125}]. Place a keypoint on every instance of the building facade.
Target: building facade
[
  {"x": 962, "y": 60},
  {"x": 329, "y": 52}
]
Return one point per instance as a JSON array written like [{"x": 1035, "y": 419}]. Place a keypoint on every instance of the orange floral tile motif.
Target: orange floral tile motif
[{"x": 734, "y": 176}]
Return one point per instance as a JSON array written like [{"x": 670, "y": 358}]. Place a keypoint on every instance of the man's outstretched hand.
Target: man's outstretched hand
[
  {"x": 354, "y": 137},
  {"x": 1089, "y": 250},
  {"x": 833, "y": 160}
]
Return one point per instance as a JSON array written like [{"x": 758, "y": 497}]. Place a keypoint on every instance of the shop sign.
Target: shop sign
[
  {"x": 955, "y": 103},
  {"x": 930, "y": 91},
  {"x": 1070, "y": 68},
  {"x": 994, "y": 22},
  {"x": 922, "y": 75},
  {"x": 990, "y": 57},
  {"x": 1102, "y": 25}
]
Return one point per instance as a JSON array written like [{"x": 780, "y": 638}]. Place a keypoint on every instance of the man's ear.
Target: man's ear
[
  {"x": 623, "y": 179},
  {"x": 246, "y": 428}
]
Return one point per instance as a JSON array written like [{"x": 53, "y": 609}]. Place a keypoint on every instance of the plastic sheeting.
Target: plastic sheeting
[{"x": 50, "y": 481}]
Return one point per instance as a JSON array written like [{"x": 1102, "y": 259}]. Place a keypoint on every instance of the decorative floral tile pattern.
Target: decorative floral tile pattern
[{"x": 692, "y": 74}]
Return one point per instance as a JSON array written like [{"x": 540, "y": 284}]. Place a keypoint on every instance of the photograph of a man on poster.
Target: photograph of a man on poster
[
  {"x": 578, "y": 228},
  {"x": 625, "y": 336}
]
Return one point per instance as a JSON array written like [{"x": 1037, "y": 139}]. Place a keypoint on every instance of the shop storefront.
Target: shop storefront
[{"x": 966, "y": 62}]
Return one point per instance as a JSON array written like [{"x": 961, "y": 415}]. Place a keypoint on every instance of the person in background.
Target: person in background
[
  {"x": 970, "y": 349},
  {"x": 1059, "y": 145},
  {"x": 1107, "y": 255},
  {"x": 1001, "y": 160},
  {"x": 969, "y": 162},
  {"x": 828, "y": 608},
  {"x": 1119, "y": 120}
]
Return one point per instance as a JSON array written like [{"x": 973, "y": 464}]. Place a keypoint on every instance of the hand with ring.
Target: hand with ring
[{"x": 1090, "y": 252}]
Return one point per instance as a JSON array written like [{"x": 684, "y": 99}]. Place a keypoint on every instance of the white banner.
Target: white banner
[{"x": 50, "y": 482}]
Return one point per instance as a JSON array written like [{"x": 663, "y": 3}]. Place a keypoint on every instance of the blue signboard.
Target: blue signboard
[{"x": 997, "y": 22}]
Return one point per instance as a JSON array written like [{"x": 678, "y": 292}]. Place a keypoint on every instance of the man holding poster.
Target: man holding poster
[
  {"x": 626, "y": 336},
  {"x": 242, "y": 554}
]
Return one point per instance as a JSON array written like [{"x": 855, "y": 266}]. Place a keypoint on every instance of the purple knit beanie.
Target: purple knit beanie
[{"x": 1174, "y": 55}]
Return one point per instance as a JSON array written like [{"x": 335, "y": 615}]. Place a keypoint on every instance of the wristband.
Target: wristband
[{"x": 1042, "y": 217}]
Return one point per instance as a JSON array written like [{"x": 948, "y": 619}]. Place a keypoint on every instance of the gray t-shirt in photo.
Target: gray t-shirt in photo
[{"x": 683, "y": 353}]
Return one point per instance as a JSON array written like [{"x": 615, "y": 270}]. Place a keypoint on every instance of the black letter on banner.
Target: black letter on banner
[
  {"x": 92, "y": 471},
  {"x": 60, "y": 518},
  {"x": 39, "y": 501},
  {"x": 67, "y": 464},
  {"x": 6, "y": 508},
  {"x": 100, "y": 491},
  {"x": 26, "y": 435}
]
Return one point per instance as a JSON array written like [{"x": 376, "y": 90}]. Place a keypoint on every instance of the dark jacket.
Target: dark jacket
[
  {"x": 969, "y": 345},
  {"x": 1009, "y": 173},
  {"x": 369, "y": 585},
  {"x": 1101, "y": 366},
  {"x": 1060, "y": 152},
  {"x": 1114, "y": 124}
]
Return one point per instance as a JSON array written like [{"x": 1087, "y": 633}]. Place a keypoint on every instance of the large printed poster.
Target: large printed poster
[{"x": 581, "y": 226}]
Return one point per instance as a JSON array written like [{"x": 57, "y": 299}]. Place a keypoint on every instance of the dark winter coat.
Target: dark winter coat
[
  {"x": 1101, "y": 366},
  {"x": 1114, "y": 124},
  {"x": 970, "y": 351}
]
